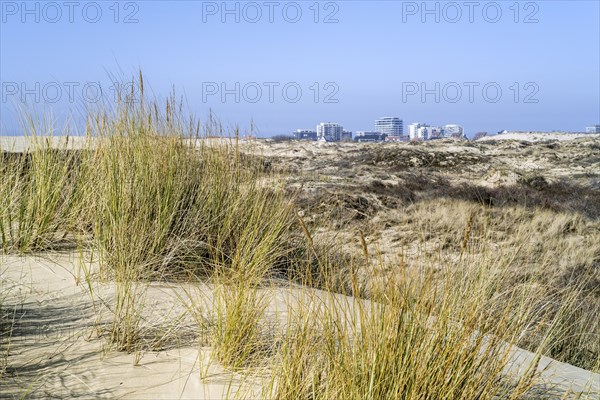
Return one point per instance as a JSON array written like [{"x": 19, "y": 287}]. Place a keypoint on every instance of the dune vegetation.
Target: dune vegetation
[{"x": 153, "y": 196}]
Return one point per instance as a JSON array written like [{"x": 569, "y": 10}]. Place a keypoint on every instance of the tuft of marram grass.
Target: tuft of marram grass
[
  {"x": 37, "y": 194},
  {"x": 152, "y": 199},
  {"x": 167, "y": 203},
  {"x": 420, "y": 336}
]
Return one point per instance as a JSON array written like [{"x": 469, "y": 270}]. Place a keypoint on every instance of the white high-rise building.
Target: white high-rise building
[
  {"x": 329, "y": 131},
  {"x": 413, "y": 130},
  {"x": 426, "y": 132},
  {"x": 421, "y": 131},
  {"x": 391, "y": 126}
]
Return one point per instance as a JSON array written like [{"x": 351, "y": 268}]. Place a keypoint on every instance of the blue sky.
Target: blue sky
[{"x": 361, "y": 60}]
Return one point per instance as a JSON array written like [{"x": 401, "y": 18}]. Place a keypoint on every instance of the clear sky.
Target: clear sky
[{"x": 287, "y": 65}]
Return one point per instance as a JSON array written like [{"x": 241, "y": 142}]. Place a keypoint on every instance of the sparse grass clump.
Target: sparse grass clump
[
  {"x": 153, "y": 199},
  {"x": 419, "y": 336},
  {"x": 238, "y": 339},
  {"x": 37, "y": 195},
  {"x": 167, "y": 204},
  {"x": 166, "y": 201}
]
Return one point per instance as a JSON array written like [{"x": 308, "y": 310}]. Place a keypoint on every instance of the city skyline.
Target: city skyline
[
  {"x": 590, "y": 128},
  {"x": 385, "y": 129}
]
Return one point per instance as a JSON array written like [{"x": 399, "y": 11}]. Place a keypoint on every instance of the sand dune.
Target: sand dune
[
  {"x": 54, "y": 349},
  {"x": 540, "y": 136}
]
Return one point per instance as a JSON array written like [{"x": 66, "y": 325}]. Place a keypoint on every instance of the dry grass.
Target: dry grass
[
  {"x": 152, "y": 200},
  {"x": 543, "y": 234},
  {"x": 421, "y": 338}
]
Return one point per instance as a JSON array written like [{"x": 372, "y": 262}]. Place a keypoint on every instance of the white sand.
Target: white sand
[
  {"x": 55, "y": 351},
  {"x": 22, "y": 143}
]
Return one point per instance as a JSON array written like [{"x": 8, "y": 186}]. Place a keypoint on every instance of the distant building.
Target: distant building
[
  {"x": 330, "y": 132},
  {"x": 427, "y": 132},
  {"x": 592, "y": 129},
  {"x": 304, "y": 134},
  {"x": 421, "y": 131},
  {"x": 364, "y": 136},
  {"x": 453, "y": 131},
  {"x": 413, "y": 130},
  {"x": 391, "y": 126},
  {"x": 346, "y": 136},
  {"x": 440, "y": 133}
]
